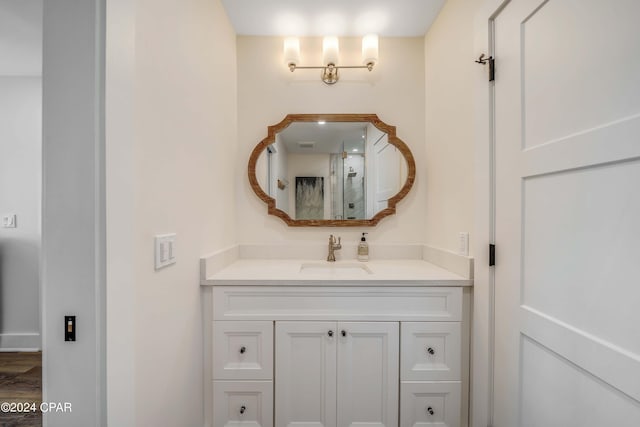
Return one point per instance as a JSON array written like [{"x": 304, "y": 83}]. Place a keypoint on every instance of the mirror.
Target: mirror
[{"x": 331, "y": 170}]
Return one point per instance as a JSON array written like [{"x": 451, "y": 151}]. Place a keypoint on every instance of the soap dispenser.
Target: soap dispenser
[{"x": 363, "y": 249}]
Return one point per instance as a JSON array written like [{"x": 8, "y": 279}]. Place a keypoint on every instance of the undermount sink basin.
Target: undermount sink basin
[{"x": 331, "y": 268}]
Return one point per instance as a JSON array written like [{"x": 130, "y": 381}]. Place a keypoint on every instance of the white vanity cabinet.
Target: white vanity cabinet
[
  {"x": 430, "y": 379},
  {"x": 242, "y": 373},
  {"x": 336, "y": 373},
  {"x": 334, "y": 356}
]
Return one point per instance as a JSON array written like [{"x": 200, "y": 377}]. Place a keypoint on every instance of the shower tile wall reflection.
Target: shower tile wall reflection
[
  {"x": 337, "y": 191},
  {"x": 354, "y": 205}
]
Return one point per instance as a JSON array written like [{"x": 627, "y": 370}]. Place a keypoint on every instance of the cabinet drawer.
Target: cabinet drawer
[
  {"x": 430, "y": 351},
  {"x": 242, "y": 350},
  {"x": 438, "y": 304},
  {"x": 435, "y": 404},
  {"x": 243, "y": 403}
]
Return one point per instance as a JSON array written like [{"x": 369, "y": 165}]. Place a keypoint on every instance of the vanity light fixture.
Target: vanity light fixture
[{"x": 330, "y": 53}]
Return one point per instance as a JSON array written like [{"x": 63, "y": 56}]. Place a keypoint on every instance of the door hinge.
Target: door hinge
[
  {"x": 492, "y": 255},
  {"x": 492, "y": 69},
  {"x": 492, "y": 65}
]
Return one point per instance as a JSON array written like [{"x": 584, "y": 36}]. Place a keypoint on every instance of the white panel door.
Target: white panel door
[
  {"x": 387, "y": 160},
  {"x": 373, "y": 136},
  {"x": 368, "y": 377},
  {"x": 305, "y": 374},
  {"x": 567, "y": 214}
]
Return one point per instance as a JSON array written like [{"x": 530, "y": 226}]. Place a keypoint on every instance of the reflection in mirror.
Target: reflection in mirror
[
  {"x": 335, "y": 170},
  {"x": 331, "y": 170}
]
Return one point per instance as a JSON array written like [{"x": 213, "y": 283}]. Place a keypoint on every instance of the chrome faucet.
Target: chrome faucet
[{"x": 333, "y": 247}]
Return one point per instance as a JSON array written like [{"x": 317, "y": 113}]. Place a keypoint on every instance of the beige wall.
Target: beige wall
[
  {"x": 267, "y": 91},
  {"x": 457, "y": 151},
  {"x": 171, "y": 157},
  {"x": 449, "y": 121},
  {"x": 181, "y": 123}
]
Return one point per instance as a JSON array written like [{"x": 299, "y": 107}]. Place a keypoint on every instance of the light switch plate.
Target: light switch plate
[
  {"x": 9, "y": 221},
  {"x": 165, "y": 250}
]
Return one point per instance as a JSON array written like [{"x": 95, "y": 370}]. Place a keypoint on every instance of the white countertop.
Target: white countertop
[{"x": 269, "y": 272}]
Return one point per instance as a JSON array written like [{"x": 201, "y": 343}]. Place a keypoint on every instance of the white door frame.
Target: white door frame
[
  {"x": 482, "y": 352},
  {"x": 73, "y": 259}
]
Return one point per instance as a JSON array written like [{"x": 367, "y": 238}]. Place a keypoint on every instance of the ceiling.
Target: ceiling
[
  {"x": 21, "y": 23},
  {"x": 387, "y": 18},
  {"x": 332, "y": 137},
  {"x": 20, "y": 37}
]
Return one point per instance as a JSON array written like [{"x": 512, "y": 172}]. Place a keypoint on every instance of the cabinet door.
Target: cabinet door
[
  {"x": 242, "y": 350},
  {"x": 431, "y": 351},
  {"x": 242, "y": 403},
  {"x": 430, "y": 404},
  {"x": 306, "y": 374},
  {"x": 368, "y": 377}
]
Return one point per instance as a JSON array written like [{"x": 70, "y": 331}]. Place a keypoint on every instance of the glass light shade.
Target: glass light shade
[
  {"x": 370, "y": 49},
  {"x": 330, "y": 50},
  {"x": 291, "y": 51}
]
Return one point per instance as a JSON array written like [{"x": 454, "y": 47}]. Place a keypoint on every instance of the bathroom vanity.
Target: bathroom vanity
[{"x": 309, "y": 343}]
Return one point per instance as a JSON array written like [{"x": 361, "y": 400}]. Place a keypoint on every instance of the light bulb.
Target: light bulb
[
  {"x": 291, "y": 51},
  {"x": 370, "y": 49},
  {"x": 330, "y": 50}
]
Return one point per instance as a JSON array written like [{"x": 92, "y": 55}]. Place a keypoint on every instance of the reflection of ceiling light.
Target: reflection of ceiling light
[
  {"x": 330, "y": 52},
  {"x": 321, "y": 122},
  {"x": 355, "y": 149}
]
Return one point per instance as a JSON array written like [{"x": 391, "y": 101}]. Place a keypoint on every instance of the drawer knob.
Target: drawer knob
[
  {"x": 330, "y": 333},
  {"x": 431, "y": 351},
  {"x": 430, "y": 410},
  {"x": 243, "y": 409},
  {"x": 243, "y": 350},
  {"x": 344, "y": 333}
]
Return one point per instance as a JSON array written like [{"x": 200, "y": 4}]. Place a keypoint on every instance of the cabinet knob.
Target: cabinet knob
[
  {"x": 431, "y": 351},
  {"x": 244, "y": 408},
  {"x": 330, "y": 333},
  {"x": 430, "y": 410},
  {"x": 243, "y": 350},
  {"x": 344, "y": 333}
]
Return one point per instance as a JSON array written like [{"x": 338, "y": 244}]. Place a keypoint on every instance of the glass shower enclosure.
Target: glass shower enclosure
[{"x": 347, "y": 181}]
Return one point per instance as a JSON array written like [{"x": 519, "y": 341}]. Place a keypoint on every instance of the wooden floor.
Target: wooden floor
[{"x": 21, "y": 381}]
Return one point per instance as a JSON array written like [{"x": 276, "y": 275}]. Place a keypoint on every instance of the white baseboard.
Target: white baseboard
[
  {"x": 20, "y": 342},
  {"x": 461, "y": 265}
]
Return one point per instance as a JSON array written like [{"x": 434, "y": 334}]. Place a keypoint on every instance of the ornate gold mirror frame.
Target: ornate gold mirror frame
[{"x": 371, "y": 118}]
